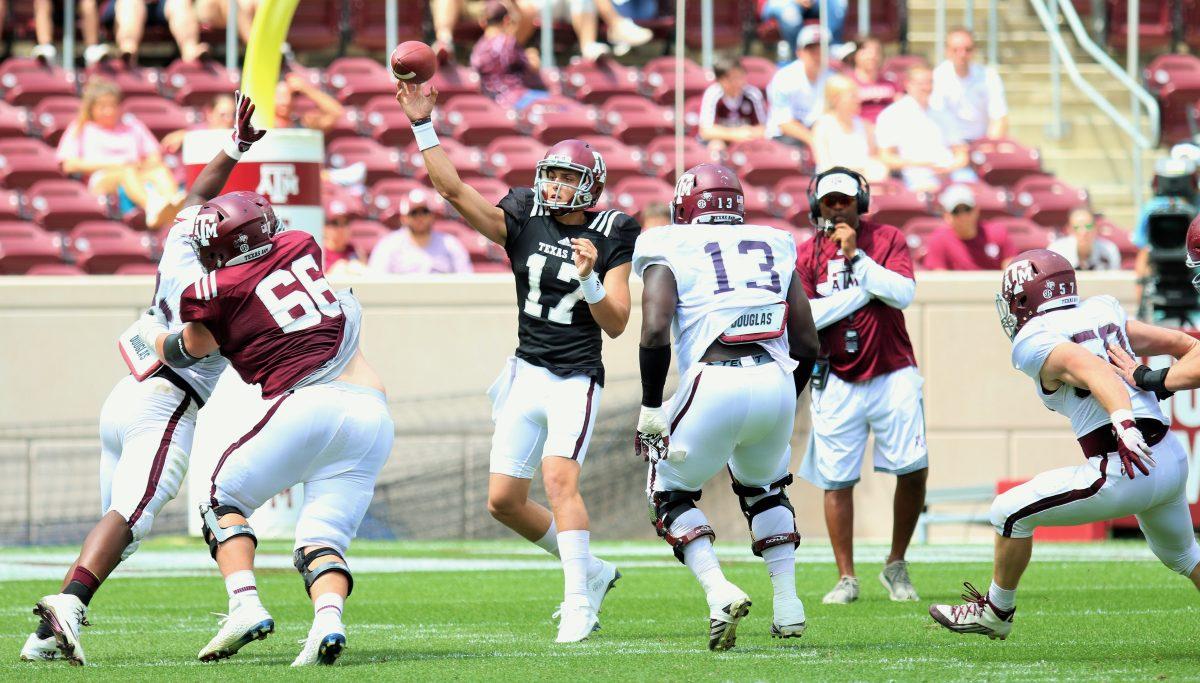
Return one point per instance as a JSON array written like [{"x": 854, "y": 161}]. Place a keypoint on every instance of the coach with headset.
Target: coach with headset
[{"x": 859, "y": 276}]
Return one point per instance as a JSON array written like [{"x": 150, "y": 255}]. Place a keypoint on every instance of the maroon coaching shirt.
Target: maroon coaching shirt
[
  {"x": 276, "y": 318},
  {"x": 988, "y": 250},
  {"x": 883, "y": 344}
]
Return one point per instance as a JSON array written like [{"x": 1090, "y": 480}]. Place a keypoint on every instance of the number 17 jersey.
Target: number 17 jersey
[{"x": 555, "y": 327}]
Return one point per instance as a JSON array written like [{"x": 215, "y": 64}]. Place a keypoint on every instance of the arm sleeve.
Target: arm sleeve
[
  {"x": 827, "y": 310},
  {"x": 1032, "y": 347},
  {"x": 997, "y": 105},
  {"x": 891, "y": 282}
]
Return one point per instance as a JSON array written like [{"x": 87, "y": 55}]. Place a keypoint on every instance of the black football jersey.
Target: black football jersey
[{"x": 555, "y": 327}]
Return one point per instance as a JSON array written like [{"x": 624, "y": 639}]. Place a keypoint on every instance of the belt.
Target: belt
[
  {"x": 173, "y": 377},
  {"x": 1100, "y": 442},
  {"x": 744, "y": 361}
]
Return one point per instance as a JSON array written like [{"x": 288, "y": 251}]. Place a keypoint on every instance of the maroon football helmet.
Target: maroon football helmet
[
  {"x": 1193, "y": 250},
  {"x": 708, "y": 193},
  {"x": 233, "y": 228},
  {"x": 1035, "y": 282},
  {"x": 574, "y": 155}
]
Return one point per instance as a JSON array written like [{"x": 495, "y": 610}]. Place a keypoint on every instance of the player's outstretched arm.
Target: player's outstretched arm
[
  {"x": 479, "y": 213},
  {"x": 1151, "y": 340},
  {"x": 803, "y": 344},
  {"x": 214, "y": 176},
  {"x": 660, "y": 294}
]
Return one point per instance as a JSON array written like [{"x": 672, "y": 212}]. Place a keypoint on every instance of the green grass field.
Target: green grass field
[{"x": 471, "y": 611}]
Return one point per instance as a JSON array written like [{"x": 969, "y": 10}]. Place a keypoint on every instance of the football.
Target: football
[{"x": 413, "y": 61}]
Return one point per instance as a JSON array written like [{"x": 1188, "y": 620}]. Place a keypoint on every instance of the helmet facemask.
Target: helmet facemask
[
  {"x": 1008, "y": 321},
  {"x": 584, "y": 196}
]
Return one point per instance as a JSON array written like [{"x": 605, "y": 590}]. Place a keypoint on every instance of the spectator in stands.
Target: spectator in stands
[
  {"x": 874, "y": 91},
  {"x": 921, "y": 142},
  {"x": 965, "y": 244},
  {"x": 637, "y": 10},
  {"x": 1083, "y": 247},
  {"x": 585, "y": 16},
  {"x": 218, "y": 115},
  {"x": 215, "y": 14},
  {"x": 731, "y": 110},
  {"x": 339, "y": 255},
  {"x": 445, "y": 15},
  {"x": 323, "y": 118},
  {"x": 131, "y": 16},
  {"x": 655, "y": 214},
  {"x": 118, "y": 154},
  {"x": 416, "y": 248},
  {"x": 504, "y": 69},
  {"x": 43, "y": 27},
  {"x": 791, "y": 16},
  {"x": 841, "y": 137},
  {"x": 796, "y": 91},
  {"x": 970, "y": 93}
]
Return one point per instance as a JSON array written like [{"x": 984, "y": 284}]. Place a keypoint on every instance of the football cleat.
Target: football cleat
[
  {"x": 727, "y": 606},
  {"x": 39, "y": 649},
  {"x": 844, "y": 593},
  {"x": 789, "y": 620},
  {"x": 894, "y": 578},
  {"x": 320, "y": 648},
  {"x": 599, "y": 585},
  {"x": 976, "y": 615},
  {"x": 243, "y": 624},
  {"x": 576, "y": 623},
  {"x": 66, "y": 615}
]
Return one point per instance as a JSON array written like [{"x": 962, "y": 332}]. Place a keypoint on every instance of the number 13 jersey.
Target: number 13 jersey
[
  {"x": 275, "y": 318},
  {"x": 555, "y": 327}
]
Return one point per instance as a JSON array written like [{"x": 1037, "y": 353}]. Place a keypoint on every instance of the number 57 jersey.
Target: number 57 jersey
[
  {"x": 729, "y": 277},
  {"x": 277, "y": 320}
]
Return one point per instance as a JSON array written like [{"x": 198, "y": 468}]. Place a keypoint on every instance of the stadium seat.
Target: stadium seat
[
  {"x": 59, "y": 269},
  {"x": 513, "y": 159},
  {"x": 452, "y": 80},
  {"x": 385, "y": 195},
  {"x": 135, "y": 269},
  {"x": 355, "y": 80},
  {"x": 658, "y": 78},
  {"x": 727, "y": 24},
  {"x": 315, "y": 25},
  {"x": 100, "y": 247},
  {"x": 766, "y": 162},
  {"x": 758, "y": 203},
  {"x": 364, "y": 235},
  {"x": 475, "y": 120},
  {"x": 11, "y": 205},
  {"x": 896, "y": 207},
  {"x": 51, "y": 116},
  {"x": 16, "y": 228},
  {"x": 491, "y": 266},
  {"x": 1047, "y": 201},
  {"x": 494, "y": 190},
  {"x": 620, "y": 159},
  {"x": 138, "y": 80},
  {"x": 1164, "y": 68},
  {"x": 345, "y": 126},
  {"x": 992, "y": 202},
  {"x": 759, "y": 71},
  {"x": 160, "y": 115},
  {"x": 660, "y": 156},
  {"x": 380, "y": 161},
  {"x": 1153, "y": 27},
  {"x": 1120, "y": 237},
  {"x": 691, "y": 115},
  {"x": 368, "y": 22},
  {"x": 385, "y": 121},
  {"x": 1175, "y": 100},
  {"x": 1004, "y": 162},
  {"x": 14, "y": 121},
  {"x": 479, "y": 248},
  {"x": 789, "y": 199},
  {"x": 62, "y": 204},
  {"x": 916, "y": 232},
  {"x": 633, "y": 194},
  {"x": 351, "y": 201},
  {"x": 466, "y": 160},
  {"x": 26, "y": 81},
  {"x": 594, "y": 83},
  {"x": 557, "y": 118},
  {"x": 895, "y": 68},
  {"x": 635, "y": 120},
  {"x": 883, "y": 20},
  {"x": 24, "y": 161},
  {"x": 194, "y": 84},
  {"x": 19, "y": 253}
]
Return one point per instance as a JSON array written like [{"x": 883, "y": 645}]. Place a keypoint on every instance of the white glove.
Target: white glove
[
  {"x": 1131, "y": 445},
  {"x": 653, "y": 439},
  {"x": 151, "y": 325}
]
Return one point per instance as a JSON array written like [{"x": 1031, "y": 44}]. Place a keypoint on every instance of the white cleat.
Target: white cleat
[
  {"x": 576, "y": 623},
  {"x": 789, "y": 621},
  {"x": 66, "y": 615},
  {"x": 976, "y": 615},
  {"x": 243, "y": 624},
  {"x": 39, "y": 649},
  {"x": 321, "y": 647},
  {"x": 599, "y": 585},
  {"x": 844, "y": 593},
  {"x": 727, "y": 605},
  {"x": 894, "y": 578}
]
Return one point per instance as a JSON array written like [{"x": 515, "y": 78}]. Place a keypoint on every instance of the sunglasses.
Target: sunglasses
[
  {"x": 961, "y": 209},
  {"x": 1083, "y": 226}
]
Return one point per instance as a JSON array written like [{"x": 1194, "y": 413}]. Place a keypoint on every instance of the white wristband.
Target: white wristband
[
  {"x": 426, "y": 136},
  {"x": 1119, "y": 416},
  {"x": 593, "y": 289},
  {"x": 232, "y": 150}
]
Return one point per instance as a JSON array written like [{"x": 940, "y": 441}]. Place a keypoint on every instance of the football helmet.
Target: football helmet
[
  {"x": 233, "y": 228},
  {"x": 1035, "y": 282},
  {"x": 574, "y": 155},
  {"x": 708, "y": 193},
  {"x": 1193, "y": 250}
]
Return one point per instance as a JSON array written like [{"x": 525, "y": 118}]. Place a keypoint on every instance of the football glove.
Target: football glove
[
  {"x": 151, "y": 325},
  {"x": 244, "y": 132},
  {"x": 653, "y": 440},
  {"x": 1131, "y": 445}
]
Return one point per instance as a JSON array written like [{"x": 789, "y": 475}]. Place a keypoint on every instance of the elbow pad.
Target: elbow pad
[{"x": 175, "y": 354}]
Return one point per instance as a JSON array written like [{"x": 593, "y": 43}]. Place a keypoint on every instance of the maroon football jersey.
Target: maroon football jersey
[
  {"x": 882, "y": 338},
  {"x": 747, "y": 109},
  {"x": 276, "y": 318}
]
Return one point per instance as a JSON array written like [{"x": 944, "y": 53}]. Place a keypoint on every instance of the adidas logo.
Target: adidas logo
[{"x": 566, "y": 241}]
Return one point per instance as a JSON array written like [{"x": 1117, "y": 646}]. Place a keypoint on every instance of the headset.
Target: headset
[{"x": 862, "y": 198}]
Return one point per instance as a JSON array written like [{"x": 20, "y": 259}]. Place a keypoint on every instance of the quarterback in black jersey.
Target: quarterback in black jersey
[{"x": 572, "y": 269}]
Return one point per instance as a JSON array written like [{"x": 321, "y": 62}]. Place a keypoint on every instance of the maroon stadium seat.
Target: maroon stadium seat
[
  {"x": 384, "y": 120},
  {"x": 314, "y": 25},
  {"x": 15, "y": 228},
  {"x": 557, "y": 118},
  {"x": 345, "y": 126},
  {"x": 58, "y": 269},
  {"x": 364, "y": 235},
  {"x": 634, "y": 193},
  {"x": 351, "y": 201},
  {"x": 51, "y": 116},
  {"x": 513, "y": 159},
  {"x": 1154, "y": 26},
  {"x": 896, "y": 208},
  {"x": 726, "y": 23},
  {"x": 62, "y": 204},
  {"x": 658, "y": 79},
  {"x": 759, "y": 71},
  {"x": 24, "y": 161},
  {"x": 660, "y": 156},
  {"x": 635, "y": 120},
  {"x": 381, "y": 162},
  {"x": 758, "y": 203},
  {"x": 14, "y": 121},
  {"x": 368, "y": 22},
  {"x": 1016, "y": 226},
  {"x": 26, "y": 81},
  {"x": 452, "y": 80},
  {"x": 100, "y": 247},
  {"x": 1120, "y": 237},
  {"x": 620, "y": 159},
  {"x": 1164, "y": 68},
  {"x": 11, "y": 205},
  {"x": 1004, "y": 162},
  {"x": 475, "y": 120},
  {"x": 194, "y": 84},
  {"x": 594, "y": 83},
  {"x": 479, "y": 248},
  {"x": 355, "y": 80},
  {"x": 992, "y": 202},
  {"x": 1047, "y": 201},
  {"x": 895, "y": 68},
  {"x": 137, "y": 80},
  {"x": 766, "y": 162},
  {"x": 491, "y": 267},
  {"x": 466, "y": 160},
  {"x": 789, "y": 199},
  {"x": 494, "y": 190},
  {"x": 20, "y": 252},
  {"x": 883, "y": 21},
  {"x": 160, "y": 115},
  {"x": 1175, "y": 99},
  {"x": 385, "y": 197},
  {"x": 916, "y": 232}
]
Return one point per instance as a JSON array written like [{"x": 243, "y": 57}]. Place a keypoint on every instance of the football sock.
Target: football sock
[
  {"x": 699, "y": 555},
  {"x": 327, "y": 612},
  {"x": 573, "y": 545},
  {"x": 549, "y": 541},
  {"x": 780, "y": 559},
  {"x": 83, "y": 585},
  {"x": 241, "y": 586},
  {"x": 1002, "y": 598}
]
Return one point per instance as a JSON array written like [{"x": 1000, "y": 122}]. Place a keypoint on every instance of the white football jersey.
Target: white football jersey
[
  {"x": 1093, "y": 324},
  {"x": 177, "y": 269},
  {"x": 722, "y": 272}
]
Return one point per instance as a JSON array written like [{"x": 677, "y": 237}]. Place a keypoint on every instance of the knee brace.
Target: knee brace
[
  {"x": 214, "y": 535},
  {"x": 766, "y": 498},
  {"x": 668, "y": 506},
  {"x": 303, "y": 560}
]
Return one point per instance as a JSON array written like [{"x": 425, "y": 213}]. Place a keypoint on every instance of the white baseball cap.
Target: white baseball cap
[
  {"x": 837, "y": 183},
  {"x": 810, "y": 35},
  {"x": 955, "y": 196}
]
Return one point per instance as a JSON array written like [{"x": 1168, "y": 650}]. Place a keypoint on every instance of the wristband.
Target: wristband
[
  {"x": 1151, "y": 380},
  {"x": 425, "y": 134},
  {"x": 232, "y": 150},
  {"x": 593, "y": 289},
  {"x": 1119, "y": 418}
]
